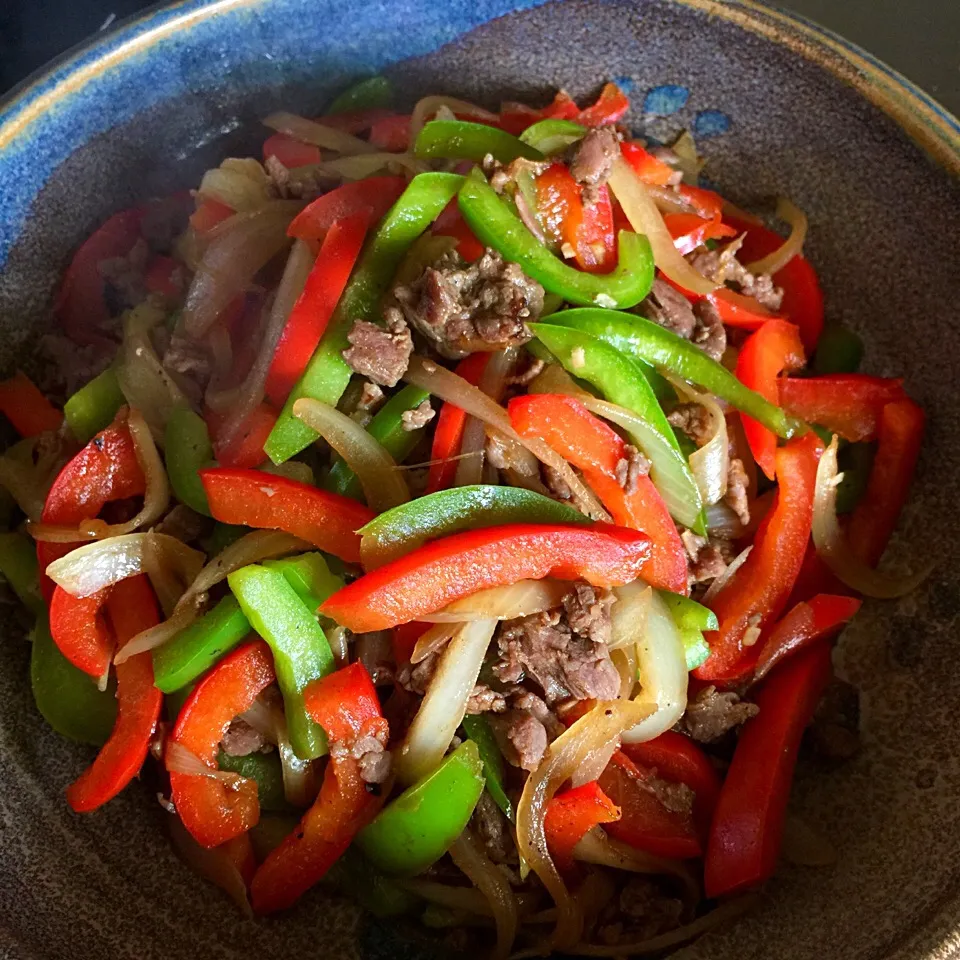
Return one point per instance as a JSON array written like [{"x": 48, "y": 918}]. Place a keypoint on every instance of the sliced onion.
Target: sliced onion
[
  {"x": 213, "y": 864},
  {"x": 309, "y": 131},
  {"x": 689, "y": 162},
  {"x": 661, "y": 661},
  {"x": 427, "y": 107},
  {"x": 145, "y": 383},
  {"x": 366, "y": 165},
  {"x": 709, "y": 463},
  {"x": 667, "y": 200},
  {"x": 180, "y": 759},
  {"x": 251, "y": 392},
  {"x": 241, "y": 184},
  {"x": 433, "y": 640},
  {"x": 723, "y": 522},
  {"x": 804, "y": 846},
  {"x": 252, "y": 548},
  {"x": 833, "y": 548},
  {"x": 27, "y": 471},
  {"x": 596, "y": 846},
  {"x": 239, "y": 249},
  {"x": 448, "y": 386},
  {"x": 593, "y": 732},
  {"x": 625, "y": 660},
  {"x": 720, "y": 582},
  {"x": 793, "y": 245},
  {"x": 467, "y": 854},
  {"x": 445, "y": 703},
  {"x": 467, "y": 899},
  {"x": 520, "y": 599},
  {"x": 554, "y": 379},
  {"x": 383, "y": 484},
  {"x": 337, "y": 638},
  {"x": 645, "y": 218},
  {"x": 493, "y": 383},
  {"x": 95, "y": 566}
]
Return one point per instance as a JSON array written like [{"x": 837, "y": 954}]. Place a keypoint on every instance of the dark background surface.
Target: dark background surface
[{"x": 920, "y": 38}]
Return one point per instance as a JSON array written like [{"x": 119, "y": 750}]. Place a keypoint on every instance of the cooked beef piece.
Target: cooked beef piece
[
  {"x": 464, "y": 307},
  {"x": 184, "y": 524},
  {"x": 417, "y": 418},
  {"x": 522, "y": 738},
  {"x": 737, "y": 485},
  {"x": 555, "y": 484},
  {"x": 676, "y": 797},
  {"x": 416, "y": 677},
  {"x": 705, "y": 559},
  {"x": 241, "y": 740},
  {"x": 669, "y": 308},
  {"x": 709, "y": 334},
  {"x": 722, "y": 266},
  {"x": 529, "y": 702},
  {"x": 380, "y": 353},
  {"x": 835, "y": 733},
  {"x": 501, "y": 175},
  {"x": 485, "y": 699},
  {"x": 711, "y": 714},
  {"x": 642, "y": 911},
  {"x": 126, "y": 277},
  {"x": 693, "y": 420},
  {"x": 591, "y": 160},
  {"x": 549, "y": 649},
  {"x": 189, "y": 363},
  {"x": 491, "y": 826},
  {"x": 374, "y": 761},
  {"x": 631, "y": 468},
  {"x": 530, "y": 372},
  {"x": 361, "y": 407}
]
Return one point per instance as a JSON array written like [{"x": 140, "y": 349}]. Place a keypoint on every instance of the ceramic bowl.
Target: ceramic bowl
[{"x": 779, "y": 107}]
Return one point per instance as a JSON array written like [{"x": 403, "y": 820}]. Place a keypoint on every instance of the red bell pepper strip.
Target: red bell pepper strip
[
  {"x": 570, "y": 815},
  {"x": 848, "y": 404},
  {"x": 208, "y": 214},
  {"x": 213, "y": 812},
  {"x": 703, "y": 202},
  {"x": 591, "y": 446},
  {"x": 80, "y": 630},
  {"x": 748, "y": 824},
  {"x": 373, "y": 195},
  {"x": 645, "y": 823},
  {"x": 806, "y": 623},
  {"x": 391, "y": 134},
  {"x": 403, "y": 639},
  {"x": 291, "y": 152},
  {"x": 610, "y": 107},
  {"x": 516, "y": 117},
  {"x": 875, "y": 517},
  {"x": 131, "y": 608},
  {"x": 770, "y": 351},
  {"x": 802, "y": 298},
  {"x": 80, "y": 306},
  {"x": 256, "y": 499},
  {"x": 646, "y": 166},
  {"x": 445, "y": 570},
  {"x": 451, "y": 422},
  {"x": 106, "y": 469},
  {"x": 27, "y": 409},
  {"x": 346, "y": 705},
  {"x": 690, "y": 231},
  {"x": 311, "y": 313},
  {"x": 735, "y": 309},
  {"x": 757, "y": 593},
  {"x": 674, "y": 757},
  {"x": 244, "y": 450},
  {"x": 450, "y": 223}
]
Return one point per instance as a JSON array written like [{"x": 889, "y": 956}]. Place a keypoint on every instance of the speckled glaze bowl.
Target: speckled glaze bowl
[{"x": 780, "y": 108}]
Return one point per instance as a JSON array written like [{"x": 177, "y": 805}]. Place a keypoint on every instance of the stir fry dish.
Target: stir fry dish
[{"x": 456, "y": 511}]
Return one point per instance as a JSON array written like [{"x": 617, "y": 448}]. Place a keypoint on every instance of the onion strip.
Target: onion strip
[
  {"x": 520, "y": 599},
  {"x": 492, "y": 383},
  {"x": 383, "y": 485},
  {"x": 833, "y": 548},
  {"x": 645, "y": 218},
  {"x": 448, "y": 386},
  {"x": 428, "y": 106},
  {"x": 365, "y": 165},
  {"x": 180, "y": 759},
  {"x": 720, "y": 582},
  {"x": 433, "y": 640},
  {"x": 309, "y": 131},
  {"x": 710, "y": 462},
  {"x": 791, "y": 247}
]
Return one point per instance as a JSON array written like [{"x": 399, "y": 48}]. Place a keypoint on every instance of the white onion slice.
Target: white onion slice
[
  {"x": 309, "y": 131},
  {"x": 554, "y": 379},
  {"x": 27, "y": 471},
  {"x": 625, "y": 660},
  {"x": 493, "y": 383},
  {"x": 468, "y": 855},
  {"x": 793, "y": 245},
  {"x": 520, "y": 599},
  {"x": 445, "y": 703},
  {"x": 689, "y": 162},
  {"x": 433, "y": 640},
  {"x": 833, "y": 548},
  {"x": 241, "y": 184},
  {"x": 723, "y": 522},
  {"x": 366, "y": 165},
  {"x": 596, "y": 846},
  {"x": 720, "y": 582},
  {"x": 645, "y": 218},
  {"x": 448, "y": 386},
  {"x": 383, "y": 484},
  {"x": 180, "y": 759},
  {"x": 427, "y": 108},
  {"x": 661, "y": 662}
]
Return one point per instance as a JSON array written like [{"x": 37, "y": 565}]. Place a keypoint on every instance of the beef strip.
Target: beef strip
[
  {"x": 631, "y": 467},
  {"x": 373, "y": 760},
  {"x": 380, "y": 353},
  {"x": 591, "y": 160},
  {"x": 492, "y": 828},
  {"x": 737, "y": 486},
  {"x": 711, "y": 714},
  {"x": 693, "y": 420},
  {"x": 184, "y": 524},
  {"x": 642, "y": 911},
  {"x": 669, "y": 308},
  {"x": 709, "y": 333},
  {"x": 190, "y": 365},
  {"x": 562, "y": 656},
  {"x": 558, "y": 488},
  {"x": 126, "y": 277},
  {"x": 705, "y": 560},
  {"x": 522, "y": 738},
  {"x": 464, "y": 307},
  {"x": 241, "y": 740},
  {"x": 416, "y": 677},
  {"x": 722, "y": 266},
  {"x": 418, "y": 417},
  {"x": 484, "y": 699}
]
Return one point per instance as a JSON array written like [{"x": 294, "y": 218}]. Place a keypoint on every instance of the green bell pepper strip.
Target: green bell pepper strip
[
  {"x": 839, "y": 350},
  {"x": 553, "y": 136},
  {"x": 462, "y": 140},
  {"x": 691, "y": 619},
  {"x": 94, "y": 406},
  {"x": 495, "y": 225},
  {"x": 636, "y": 336},
  {"x": 855, "y": 461},
  {"x": 187, "y": 448},
  {"x": 364, "y": 95},
  {"x": 417, "y": 828},
  {"x": 310, "y": 577},
  {"x": 198, "y": 647},
  {"x": 266, "y": 770},
  {"x": 327, "y": 373},
  {"x": 387, "y": 429},
  {"x": 66, "y": 697},
  {"x": 477, "y": 728},
  {"x": 354, "y": 875},
  {"x": 300, "y": 649},
  {"x": 621, "y": 381},
  {"x": 18, "y": 564},
  {"x": 410, "y": 525}
]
